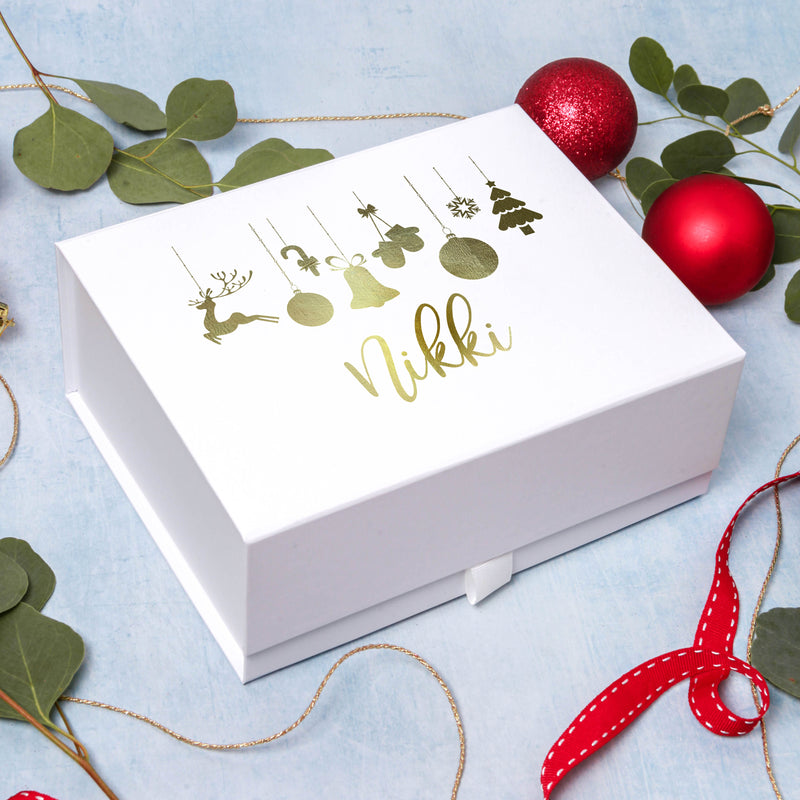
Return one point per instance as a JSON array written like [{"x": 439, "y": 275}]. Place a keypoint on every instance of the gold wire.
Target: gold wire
[
  {"x": 265, "y": 120},
  {"x": 15, "y": 431},
  {"x": 64, "y": 89},
  {"x": 761, "y": 594},
  {"x": 309, "y": 709},
  {"x": 767, "y": 110},
  {"x": 354, "y": 117}
]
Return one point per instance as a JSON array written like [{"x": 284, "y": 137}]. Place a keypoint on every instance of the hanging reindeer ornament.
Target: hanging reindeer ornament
[{"x": 230, "y": 284}]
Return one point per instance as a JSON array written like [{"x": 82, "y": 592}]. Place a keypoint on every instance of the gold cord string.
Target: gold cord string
[
  {"x": 761, "y": 594},
  {"x": 10, "y": 86},
  {"x": 16, "y": 422},
  {"x": 766, "y": 110},
  {"x": 309, "y": 709},
  {"x": 265, "y": 120}
]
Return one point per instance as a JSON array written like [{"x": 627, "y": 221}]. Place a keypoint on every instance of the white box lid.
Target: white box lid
[{"x": 281, "y": 428}]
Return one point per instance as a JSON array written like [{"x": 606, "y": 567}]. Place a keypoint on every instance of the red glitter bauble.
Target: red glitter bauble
[
  {"x": 586, "y": 109},
  {"x": 714, "y": 233},
  {"x": 31, "y": 795}
]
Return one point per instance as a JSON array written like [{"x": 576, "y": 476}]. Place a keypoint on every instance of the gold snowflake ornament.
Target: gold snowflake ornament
[{"x": 463, "y": 207}]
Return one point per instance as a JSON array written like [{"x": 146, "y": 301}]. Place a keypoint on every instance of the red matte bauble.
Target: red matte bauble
[
  {"x": 714, "y": 233},
  {"x": 586, "y": 108}
]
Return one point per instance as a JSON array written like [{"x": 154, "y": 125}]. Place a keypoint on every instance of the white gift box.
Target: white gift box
[{"x": 347, "y": 394}]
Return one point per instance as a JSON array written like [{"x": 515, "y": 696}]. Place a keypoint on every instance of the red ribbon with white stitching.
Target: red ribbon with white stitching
[{"x": 706, "y": 664}]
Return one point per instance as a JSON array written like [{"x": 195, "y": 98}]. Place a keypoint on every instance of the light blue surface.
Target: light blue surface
[{"x": 525, "y": 661}]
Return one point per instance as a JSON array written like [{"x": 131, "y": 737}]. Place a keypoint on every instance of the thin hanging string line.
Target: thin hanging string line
[
  {"x": 446, "y": 183},
  {"x": 309, "y": 709},
  {"x": 15, "y": 430},
  {"x": 478, "y": 168},
  {"x": 291, "y": 283},
  {"x": 188, "y": 270},
  {"x": 333, "y": 241},
  {"x": 266, "y": 120},
  {"x": 761, "y": 595},
  {"x": 767, "y": 110},
  {"x": 444, "y": 227},
  {"x": 283, "y": 241}
]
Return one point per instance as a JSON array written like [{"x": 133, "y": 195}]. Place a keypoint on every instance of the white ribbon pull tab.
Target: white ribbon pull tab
[{"x": 482, "y": 580}]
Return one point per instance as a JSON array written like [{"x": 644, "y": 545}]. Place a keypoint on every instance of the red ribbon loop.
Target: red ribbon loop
[{"x": 706, "y": 664}]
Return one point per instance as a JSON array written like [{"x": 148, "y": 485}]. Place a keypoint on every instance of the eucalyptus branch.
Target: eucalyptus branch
[
  {"x": 37, "y": 76},
  {"x": 79, "y": 748},
  {"x": 48, "y": 152},
  {"x": 742, "y": 105},
  {"x": 82, "y": 760},
  {"x": 733, "y": 133}
]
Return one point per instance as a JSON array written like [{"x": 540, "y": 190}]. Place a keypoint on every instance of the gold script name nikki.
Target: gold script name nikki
[{"x": 439, "y": 355}]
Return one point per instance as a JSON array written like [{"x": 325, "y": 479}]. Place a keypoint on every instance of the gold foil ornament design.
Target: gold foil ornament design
[
  {"x": 309, "y": 309},
  {"x": 396, "y": 239},
  {"x": 305, "y": 262},
  {"x": 305, "y": 308},
  {"x": 513, "y": 213},
  {"x": 464, "y": 207},
  {"x": 230, "y": 285},
  {"x": 367, "y": 291},
  {"x": 468, "y": 258},
  {"x": 464, "y": 257}
]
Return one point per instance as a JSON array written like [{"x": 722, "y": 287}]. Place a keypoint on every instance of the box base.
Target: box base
[
  {"x": 441, "y": 591},
  {"x": 255, "y": 665}
]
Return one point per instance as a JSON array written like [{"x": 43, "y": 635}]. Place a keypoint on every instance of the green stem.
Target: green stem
[
  {"x": 143, "y": 160},
  {"x": 37, "y": 76},
  {"x": 78, "y": 759},
  {"x": 757, "y": 149},
  {"x": 761, "y": 151},
  {"x": 79, "y": 748},
  {"x": 661, "y": 119}
]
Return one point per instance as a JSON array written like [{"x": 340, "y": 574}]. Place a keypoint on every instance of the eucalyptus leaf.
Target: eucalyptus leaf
[
  {"x": 641, "y": 172},
  {"x": 766, "y": 278},
  {"x": 707, "y": 101},
  {"x": 267, "y": 159},
  {"x": 13, "y": 583},
  {"x": 160, "y": 171},
  {"x": 791, "y": 134},
  {"x": 747, "y": 95},
  {"x": 684, "y": 76},
  {"x": 198, "y": 109},
  {"x": 651, "y": 193},
  {"x": 63, "y": 150},
  {"x": 776, "y": 648},
  {"x": 792, "y": 298},
  {"x": 126, "y": 106},
  {"x": 40, "y": 578},
  {"x": 650, "y": 65},
  {"x": 787, "y": 233},
  {"x": 704, "y": 151},
  {"x": 38, "y": 660},
  {"x": 753, "y": 181}
]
